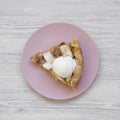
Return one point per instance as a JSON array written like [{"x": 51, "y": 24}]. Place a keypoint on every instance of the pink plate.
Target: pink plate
[{"x": 45, "y": 38}]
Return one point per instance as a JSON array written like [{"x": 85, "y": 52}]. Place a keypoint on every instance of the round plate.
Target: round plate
[{"x": 47, "y": 37}]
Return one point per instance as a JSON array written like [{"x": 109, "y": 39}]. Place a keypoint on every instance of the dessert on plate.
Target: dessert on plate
[{"x": 64, "y": 62}]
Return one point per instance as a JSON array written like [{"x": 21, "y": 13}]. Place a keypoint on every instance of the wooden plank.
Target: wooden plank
[{"x": 19, "y": 19}]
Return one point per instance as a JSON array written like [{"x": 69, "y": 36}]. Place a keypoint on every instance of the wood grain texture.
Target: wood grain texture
[{"x": 19, "y": 19}]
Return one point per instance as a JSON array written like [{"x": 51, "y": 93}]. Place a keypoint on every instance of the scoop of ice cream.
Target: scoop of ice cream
[{"x": 64, "y": 66}]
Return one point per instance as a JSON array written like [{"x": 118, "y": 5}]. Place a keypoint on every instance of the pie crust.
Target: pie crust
[{"x": 43, "y": 59}]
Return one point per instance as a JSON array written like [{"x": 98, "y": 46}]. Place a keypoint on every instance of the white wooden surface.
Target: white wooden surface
[{"x": 19, "y": 19}]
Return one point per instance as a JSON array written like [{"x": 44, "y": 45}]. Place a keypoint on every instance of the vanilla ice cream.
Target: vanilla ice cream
[{"x": 64, "y": 66}]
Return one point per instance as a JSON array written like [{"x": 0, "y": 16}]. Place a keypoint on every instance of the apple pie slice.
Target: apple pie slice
[{"x": 63, "y": 61}]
